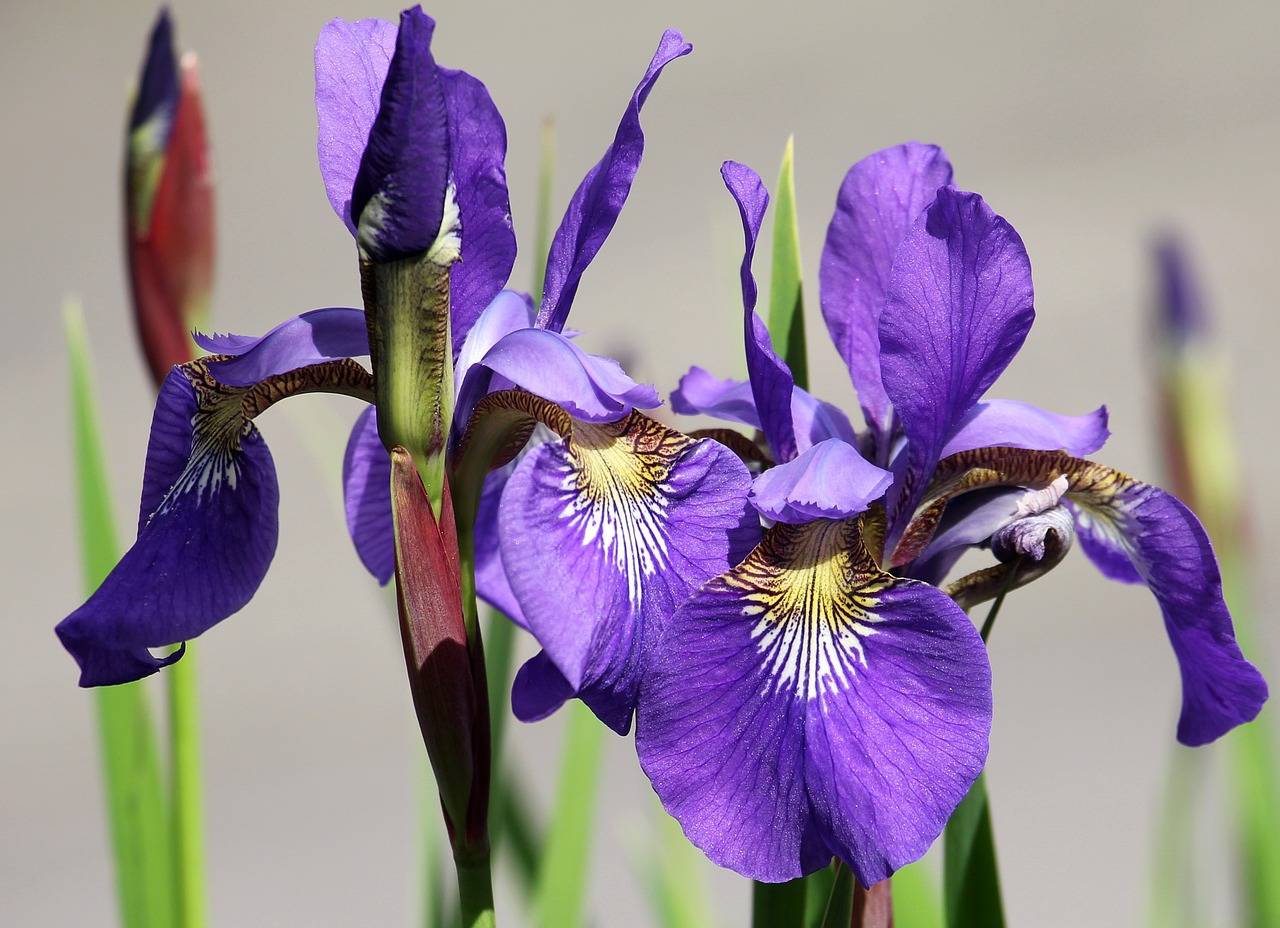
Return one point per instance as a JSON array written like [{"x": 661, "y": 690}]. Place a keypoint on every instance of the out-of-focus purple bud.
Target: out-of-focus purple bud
[
  {"x": 1181, "y": 313},
  {"x": 168, "y": 205}
]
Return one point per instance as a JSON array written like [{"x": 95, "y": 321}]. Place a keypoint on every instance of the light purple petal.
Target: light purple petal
[
  {"x": 702, "y": 393},
  {"x": 351, "y": 66},
  {"x": 315, "y": 336},
  {"x": 816, "y": 420},
  {"x": 198, "y": 558},
  {"x": 596, "y": 203},
  {"x": 1008, "y": 423},
  {"x": 771, "y": 380},
  {"x": 828, "y": 481},
  {"x": 1169, "y": 549},
  {"x": 587, "y": 386},
  {"x": 366, "y": 490},
  {"x": 508, "y": 312},
  {"x": 958, "y": 306},
  {"x": 491, "y": 573},
  {"x": 478, "y": 149},
  {"x": 602, "y": 540},
  {"x": 805, "y": 705},
  {"x": 880, "y": 199}
]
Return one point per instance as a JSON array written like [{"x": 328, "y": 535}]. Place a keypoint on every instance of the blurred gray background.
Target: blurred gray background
[{"x": 1088, "y": 125}]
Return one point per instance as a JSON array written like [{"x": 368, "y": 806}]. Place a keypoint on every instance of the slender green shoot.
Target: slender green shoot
[{"x": 786, "y": 296}]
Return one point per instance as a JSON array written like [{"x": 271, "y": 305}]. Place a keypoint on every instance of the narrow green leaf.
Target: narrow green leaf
[
  {"x": 915, "y": 898},
  {"x": 817, "y": 889},
  {"x": 838, "y": 911},
  {"x": 786, "y": 298},
  {"x": 186, "y": 793},
  {"x": 131, "y": 766},
  {"x": 674, "y": 879},
  {"x": 565, "y": 866},
  {"x": 971, "y": 881},
  {"x": 779, "y": 905},
  {"x": 542, "y": 219},
  {"x": 512, "y": 831}
]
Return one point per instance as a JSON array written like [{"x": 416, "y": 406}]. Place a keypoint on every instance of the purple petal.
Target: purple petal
[
  {"x": 198, "y": 558},
  {"x": 398, "y": 199},
  {"x": 816, "y": 421},
  {"x": 1010, "y": 424},
  {"x": 508, "y": 312},
  {"x": 1169, "y": 549},
  {"x": 538, "y": 689},
  {"x": 478, "y": 149},
  {"x": 828, "y": 481},
  {"x": 366, "y": 490},
  {"x": 315, "y": 336},
  {"x": 587, "y": 386},
  {"x": 158, "y": 93},
  {"x": 958, "y": 306},
  {"x": 880, "y": 199},
  {"x": 604, "y": 536},
  {"x": 491, "y": 573},
  {"x": 806, "y": 705},
  {"x": 771, "y": 380},
  {"x": 1182, "y": 313},
  {"x": 702, "y": 393},
  {"x": 596, "y": 203},
  {"x": 351, "y": 67}
]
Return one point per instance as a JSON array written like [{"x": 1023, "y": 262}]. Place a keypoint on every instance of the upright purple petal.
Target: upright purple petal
[
  {"x": 491, "y": 573},
  {"x": 604, "y": 535},
  {"x": 201, "y": 552},
  {"x": 398, "y": 199},
  {"x": 351, "y": 67},
  {"x": 771, "y": 380},
  {"x": 478, "y": 150},
  {"x": 1169, "y": 550},
  {"x": 596, "y": 203},
  {"x": 315, "y": 336},
  {"x": 366, "y": 491},
  {"x": 805, "y": 705},
  {"x": 958, "y": 306},
  {"x": 1010, "y": 424},
  {"x": 880, "y": 199}
]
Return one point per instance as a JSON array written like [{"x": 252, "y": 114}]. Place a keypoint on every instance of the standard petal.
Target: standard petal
[
  {"x": 805, "y": 705},
  {"x": 599, "y": 198},
  {"x": 351, "y": 67},
  {"x": 880, "y": 199},
  {"x": 1011, "y": 424},
  {"x": 605, "y": 534},
  {"x": 1169, "y": 550},
  {"x": 771, "y": 381},
  {"x": 478, "y": 150},
  {"x": 366, "y": 490},
  {"x": 315, "y": 336},
  {"x": 828, "y": 481},
  {"x": 202, "y": 551},
  {"x": 702, "y": 393},
  {"x": 587, "y": 386},
  {"x": 958, "y": 306}
]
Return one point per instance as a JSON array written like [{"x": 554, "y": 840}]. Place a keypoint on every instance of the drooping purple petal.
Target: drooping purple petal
[
  {"x": 312, "y": 337},
  {"x": 588, "y": 387},
  {"x": 880, "y": 199},
  {"x": 596, "y": 203},
  {"x": 539, "y": 689},
  {"x": 478, "y": 150},
  {"x": 828, "y": 481},
  {"x": 1008, "y": 423},
  {"x": 199, "y": 556},
  {"x": 1169, "y": 549},
  {"x": 605, "y": 535},
  {"x": 805, "y": 705},
  {"x": 351, "y": 67},
  {"x": 398, "y": 198},
  {"x": 771, "y": 380},
  {"x": 702, "y": 393},
  {"x": 366, "y": 490},
  {"x": 958, "y": 306}
]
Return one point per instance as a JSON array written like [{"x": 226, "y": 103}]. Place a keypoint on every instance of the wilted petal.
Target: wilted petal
[
  {"x": 880, "y": 199},
  {"x": 366, "y": 490},
  {"x": 315, "y": 336},
  {"x": 806, "y": 705},
  {"x": 771, "y": 380},
  {"x": 599, "y": 198},
  {"x": 828, "y": 481},
  {"x": 605, "y": 534},
  {"x": 1169, "y": 550},
  {"x": 204, "y": 546},
  {"x": 351, "y": 67},
  {"x": 1011, "y": 424}
]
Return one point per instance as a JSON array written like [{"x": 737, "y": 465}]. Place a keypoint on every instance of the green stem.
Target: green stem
[
  {"x": 475, "y": 892},
  {"x": 186, "y": 793},
  {"x": 778, "y": 905},
  {"x": 999, "y": 601}
]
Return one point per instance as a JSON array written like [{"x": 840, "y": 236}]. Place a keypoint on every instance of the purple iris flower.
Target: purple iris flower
[
  {"x": 819, "y": 699},
  {"x": 208, "y": 519}
]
